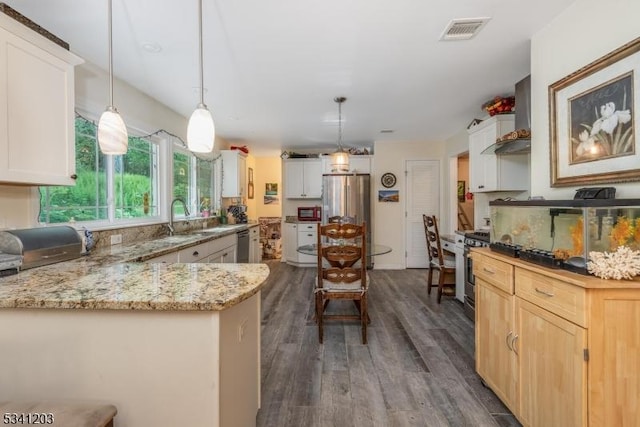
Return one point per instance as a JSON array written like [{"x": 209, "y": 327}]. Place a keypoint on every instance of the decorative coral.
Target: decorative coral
[
  {"x": 576, "y": 236},
  {"x": 624, "y": 263}
]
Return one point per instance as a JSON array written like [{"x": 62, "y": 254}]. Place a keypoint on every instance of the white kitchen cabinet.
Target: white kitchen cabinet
[
  {"x": 234, "y": 173},
  {"x": 307, "y": 235},
  {"x": 169, "y": 258},
  {"x": 489, "y": 172},
  {"x": 357, "y": 164},
  {"x": 223, "y": 250},
  {"x": 255, "y": 254},
  {"x": 290, "y": 237},
  {"x": 303, "y": 179},
  {"x": 37, "y": 130}
]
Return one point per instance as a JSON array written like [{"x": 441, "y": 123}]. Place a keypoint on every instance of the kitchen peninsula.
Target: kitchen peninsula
[{"x": 167, "y": 344}]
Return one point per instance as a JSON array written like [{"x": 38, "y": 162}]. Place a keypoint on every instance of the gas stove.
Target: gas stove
[{"x": 476, "y": 239}]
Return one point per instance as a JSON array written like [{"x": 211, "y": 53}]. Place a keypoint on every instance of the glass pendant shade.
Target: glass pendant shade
[
  {"x": 201, "y": 131},
  {"x": 340, "y": 161},
  {"x": 112, "y": 133}
]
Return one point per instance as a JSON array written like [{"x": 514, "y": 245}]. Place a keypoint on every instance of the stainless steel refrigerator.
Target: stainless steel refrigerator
[{"x": 348, "y": 195}]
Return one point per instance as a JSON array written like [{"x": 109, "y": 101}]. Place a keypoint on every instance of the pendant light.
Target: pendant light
[
  {"x": 201, "y": 131},
  {"x": 340, "y": 159},
  {"x": 112, "y": 133}
]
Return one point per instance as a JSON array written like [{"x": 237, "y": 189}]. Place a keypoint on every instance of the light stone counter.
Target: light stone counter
[
  {"x": 116, "y": 279},
  {"x": 167, "y": 344}
]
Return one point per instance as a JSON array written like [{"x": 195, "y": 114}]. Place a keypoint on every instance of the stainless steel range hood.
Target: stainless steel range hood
[{"x": 518, "y": 141}]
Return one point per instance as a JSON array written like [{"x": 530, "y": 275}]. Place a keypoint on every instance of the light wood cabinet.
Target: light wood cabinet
[
  {"x": 37, "y": 130},
  {"x": 496, "y": 362},
  {"x": 575, "y": 340},
  {"x": 552, "y": 370},
  {"x": 303, "y": 178},
  {"x": 234, "y": 173},
  {"x": 488, "y": 172}
]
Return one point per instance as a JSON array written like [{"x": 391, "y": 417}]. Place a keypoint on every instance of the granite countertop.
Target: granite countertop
[{"x": 116, "y": 279}]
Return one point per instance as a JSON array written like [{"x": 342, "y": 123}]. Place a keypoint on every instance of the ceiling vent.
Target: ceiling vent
[{"x": 463, "y": 29}]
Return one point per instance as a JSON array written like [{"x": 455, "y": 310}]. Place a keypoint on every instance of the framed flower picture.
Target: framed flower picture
[{"x": 593, "y": 121}]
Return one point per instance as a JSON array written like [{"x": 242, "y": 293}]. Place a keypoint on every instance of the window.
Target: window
[
  {"x": 193, "y": 183},
  {"x": 134, "y": 192}
]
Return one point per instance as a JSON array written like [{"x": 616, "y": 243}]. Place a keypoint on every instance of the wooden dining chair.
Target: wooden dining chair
[
  {"x": 342, "y": 272},
  {"x": 445, "y": 264}
]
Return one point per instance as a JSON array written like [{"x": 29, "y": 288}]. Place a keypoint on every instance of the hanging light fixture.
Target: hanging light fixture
[
  {"x": 340, "y": 159},
  {"x": 112, "y": 133},
  {"x": 201, "y": 131}
]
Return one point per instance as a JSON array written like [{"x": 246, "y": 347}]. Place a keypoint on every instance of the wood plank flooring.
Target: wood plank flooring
[{"x": 417, "y": 370}]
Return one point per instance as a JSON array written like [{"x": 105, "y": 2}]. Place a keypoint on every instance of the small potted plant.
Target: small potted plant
[{"x": 205, "y": 206}]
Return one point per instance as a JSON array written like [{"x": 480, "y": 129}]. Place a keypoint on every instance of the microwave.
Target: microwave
[{"x": 311, "y": 213}]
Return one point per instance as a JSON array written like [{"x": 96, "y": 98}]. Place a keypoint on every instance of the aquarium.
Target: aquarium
[{"x": 562, "y": 233}]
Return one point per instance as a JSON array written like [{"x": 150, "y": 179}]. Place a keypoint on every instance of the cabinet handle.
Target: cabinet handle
[
  {"x": 487, "y": 270},
  {"x": 545, "y": 293},
  {"x": 513, "y": 344},
  {"x": 196, "y": 253},
  {"x": 74, "y": 176},
  {"x": 310, "y": 235},
  {"x": 508, "y": 341},
  {"x": 480, "y": 186}
]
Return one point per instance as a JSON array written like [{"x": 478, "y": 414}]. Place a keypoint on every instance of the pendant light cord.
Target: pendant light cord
[
  {"x": 201, "y": 55},
  {"x": 110, "y": 57},
  {"x": 340, "y": 100}
]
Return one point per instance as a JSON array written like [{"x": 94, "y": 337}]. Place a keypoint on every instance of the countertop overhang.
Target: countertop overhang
[{"x": 117, "y": 278}]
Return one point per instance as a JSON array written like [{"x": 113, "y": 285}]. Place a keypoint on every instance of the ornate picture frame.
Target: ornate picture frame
[{"x": 593, "y": 122}]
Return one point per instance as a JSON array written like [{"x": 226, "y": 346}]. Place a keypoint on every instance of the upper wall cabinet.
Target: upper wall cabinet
[
  {"x": 357, "y": 164},
  {"x": 37, "y": 132},
  {"x": 489, "y": 172},
  {"x": 303, "y": 178},
  {"x": 234, "y": 173}
]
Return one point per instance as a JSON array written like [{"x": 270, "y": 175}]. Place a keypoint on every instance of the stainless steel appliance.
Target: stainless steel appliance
[
  {"x": 42, "y": 246},
  {"x": 243, "y": 246},
  {"x": 348, "y": 195},
  {"x": 473, "y": 239}
]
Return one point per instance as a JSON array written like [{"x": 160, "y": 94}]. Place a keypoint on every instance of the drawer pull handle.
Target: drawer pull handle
[
  {"x": 513, "y": 344},
  {"x": 545, "y": 293},
  {"x": 488, "y": 270},
  {"x": 196, "y": 253},
  {"x": 509, "y": 341}
]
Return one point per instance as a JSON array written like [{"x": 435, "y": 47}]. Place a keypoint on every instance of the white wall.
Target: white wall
[
  {"x": 584, "y": 32},
  {"x": 388, "y": 218}
]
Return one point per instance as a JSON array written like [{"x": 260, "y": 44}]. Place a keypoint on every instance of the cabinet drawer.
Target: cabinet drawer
[
  {"x": 560, "y": 298},
  {"x": 498, "y": 273},
  {"x": 447, "y": 246},
  {"x": 194, "y": 253},
  {"x": 308, "y": 227}
]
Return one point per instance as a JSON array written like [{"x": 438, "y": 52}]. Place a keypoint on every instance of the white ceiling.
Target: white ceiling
[{"x": 272, "y": 68}]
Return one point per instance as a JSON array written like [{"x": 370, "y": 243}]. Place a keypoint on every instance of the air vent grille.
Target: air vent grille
[{"x": 463, "y": 29}]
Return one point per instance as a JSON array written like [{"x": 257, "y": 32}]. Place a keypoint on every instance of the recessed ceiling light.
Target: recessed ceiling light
[
  {"x": 463, "y": 29},
  {"x": 386, "y": 131},
  {"x": 151, "y": 47}
]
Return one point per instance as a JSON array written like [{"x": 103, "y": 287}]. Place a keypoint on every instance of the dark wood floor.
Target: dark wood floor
[{"x": 417, "y": 370}]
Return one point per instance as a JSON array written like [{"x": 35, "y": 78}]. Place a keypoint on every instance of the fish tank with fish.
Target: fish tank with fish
[{"x": 562, "y": 233}]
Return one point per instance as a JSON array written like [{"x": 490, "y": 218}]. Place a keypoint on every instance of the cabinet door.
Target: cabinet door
[
  {"x": 496, "y": 363},
  {"x": 254, "y": 245},
  {"x": 360, "y": 164},
  {"x": 483, "y": 167},
  {"x": 294, "y": 179},
  {"x": 552, "y": 369},
  {"x": 312, "y": 178},
  {"x": 614, "y": 355},
  {"x": 234, "y": 171},
  {"x": 290, "y": 236},
  {"x": 37, "y": 131},
  {"x": 307, "y": 236}
]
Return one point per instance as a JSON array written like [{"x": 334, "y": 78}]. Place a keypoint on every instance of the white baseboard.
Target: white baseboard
[{"x": 378, "y": 266}]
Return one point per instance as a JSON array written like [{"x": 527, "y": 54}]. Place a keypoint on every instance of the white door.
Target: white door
[{"x": 423, "y": 197}]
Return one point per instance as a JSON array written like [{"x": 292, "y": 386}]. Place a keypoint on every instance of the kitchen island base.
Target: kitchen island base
[{"x": 160, "y": 368}]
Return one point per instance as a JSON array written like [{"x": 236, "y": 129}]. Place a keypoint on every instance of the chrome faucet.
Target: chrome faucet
[{"x": 186, "y": 212}]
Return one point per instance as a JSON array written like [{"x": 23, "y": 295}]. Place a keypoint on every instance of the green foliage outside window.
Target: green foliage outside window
[{"x": 134, "y": 178}]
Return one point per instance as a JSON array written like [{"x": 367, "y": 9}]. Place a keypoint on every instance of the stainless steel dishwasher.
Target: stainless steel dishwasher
[{"x": 243, "y": 246}]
